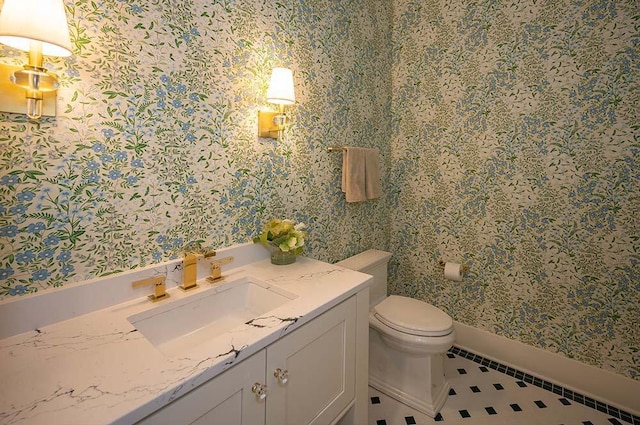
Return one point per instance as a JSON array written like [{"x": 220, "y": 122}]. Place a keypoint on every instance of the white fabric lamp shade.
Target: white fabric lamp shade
[
  {"x": 280, "y": 89},
  {"x": 24, "y": 21}
]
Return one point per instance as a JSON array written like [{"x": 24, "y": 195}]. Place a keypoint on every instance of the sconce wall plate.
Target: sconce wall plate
[
  {"x": 12, "y": 97},
  {"x": 266, "y": 126}
]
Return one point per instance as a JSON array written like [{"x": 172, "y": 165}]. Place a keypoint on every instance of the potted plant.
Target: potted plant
[{"x": 284, "y": 238}]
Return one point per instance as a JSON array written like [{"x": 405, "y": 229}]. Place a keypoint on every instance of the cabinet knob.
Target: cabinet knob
[
  {"x": 259, "y": 390},
  {"x": 282, "y": 375}
]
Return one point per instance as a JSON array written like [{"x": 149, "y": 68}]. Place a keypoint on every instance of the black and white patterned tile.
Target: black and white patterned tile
[{"x": 481, "y": 395}]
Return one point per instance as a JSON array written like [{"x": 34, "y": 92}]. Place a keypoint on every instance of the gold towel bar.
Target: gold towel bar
[{"x": 336, "y": 148}]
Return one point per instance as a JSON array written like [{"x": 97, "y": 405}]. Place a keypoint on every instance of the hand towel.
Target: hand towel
[
  {"x": 360, "y": 174},
  {"x": 372, "y": 174},
  {"x": 353, "y": 169}
]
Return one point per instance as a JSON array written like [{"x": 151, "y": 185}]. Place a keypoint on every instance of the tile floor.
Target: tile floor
[{"x": 482, "y": 396}]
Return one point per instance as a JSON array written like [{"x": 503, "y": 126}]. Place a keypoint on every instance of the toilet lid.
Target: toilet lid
[{"x": 413, "y": 316}]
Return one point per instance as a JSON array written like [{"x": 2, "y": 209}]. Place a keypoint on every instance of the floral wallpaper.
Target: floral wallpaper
[
  {"x": 516, "y": 150},
  {"x": 155, "y": 144},
  {"x": 508, "y": 133}
]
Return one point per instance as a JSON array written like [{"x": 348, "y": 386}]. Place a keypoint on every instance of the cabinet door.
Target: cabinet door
[
  {"x": 319, "y": 359},
  {"x": 224, "y": 400}
]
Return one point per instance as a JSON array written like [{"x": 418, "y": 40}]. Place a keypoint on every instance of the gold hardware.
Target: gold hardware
[
  {"x": 41, "y": 32},
  {"x": 267, "y": 126},
  {"x": 281, "y": 375},
  {"x": 336, "y": 148},
  {"x": 190, "y": 271},
  {"x": 260, "y": 390},
  {"x": 12, "y": 97},
  {"x": 216, "y": 272},
  {"x": 190, "y": 268},
  {"x": 442, "y": 263},
  {"x": 265, "y": 123},
  {"x": 160, "y": 287}
]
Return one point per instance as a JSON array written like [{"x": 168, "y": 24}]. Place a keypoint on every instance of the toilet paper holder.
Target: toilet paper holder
[{"x": 442, "y": 263}]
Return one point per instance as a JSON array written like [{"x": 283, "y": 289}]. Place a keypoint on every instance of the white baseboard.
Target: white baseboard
[{"x": 599, "y": 384}]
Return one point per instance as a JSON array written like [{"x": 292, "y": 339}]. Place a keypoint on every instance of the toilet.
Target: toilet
[{"x": 408, "y": 339}]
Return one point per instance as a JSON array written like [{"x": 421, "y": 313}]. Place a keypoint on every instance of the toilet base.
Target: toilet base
[
  {"x": 429, "y": 407},
  {"x": 416, "y": 380}
]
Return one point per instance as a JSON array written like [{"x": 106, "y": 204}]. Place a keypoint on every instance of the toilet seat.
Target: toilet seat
[{"x": 413, "y": 317}]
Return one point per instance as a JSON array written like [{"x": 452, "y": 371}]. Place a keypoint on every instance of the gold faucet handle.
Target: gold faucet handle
[
  {"x": 159, "y": 287},
  {"x": 216, "y": 271}
]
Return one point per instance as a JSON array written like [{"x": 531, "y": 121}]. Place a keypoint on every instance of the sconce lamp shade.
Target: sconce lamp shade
[
  {"x": 24, "y": 21},
  {"x": 280, "y": 89}
]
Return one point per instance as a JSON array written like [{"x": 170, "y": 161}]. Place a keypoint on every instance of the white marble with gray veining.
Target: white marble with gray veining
[{"x": 96, "y": 368}]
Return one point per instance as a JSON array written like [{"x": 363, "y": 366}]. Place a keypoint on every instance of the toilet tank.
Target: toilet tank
[{"x": 374, "y": 263}]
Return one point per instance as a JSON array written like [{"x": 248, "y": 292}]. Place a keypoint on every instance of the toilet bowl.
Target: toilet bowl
[
  {"x": 412, "y": 326},
  {"x": 407, "y": 340}
]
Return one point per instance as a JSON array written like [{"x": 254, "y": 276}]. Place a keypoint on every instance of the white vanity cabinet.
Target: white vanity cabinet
[
  {"x": 310, "y": 378},
  {"x": 320, "y": 362},
  {"x": 225, "y": 399}
]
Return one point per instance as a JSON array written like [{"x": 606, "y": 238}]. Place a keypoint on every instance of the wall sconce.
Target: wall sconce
[
  {"x": 280, "y": 92},
  {"x": 40, "y": 28}
]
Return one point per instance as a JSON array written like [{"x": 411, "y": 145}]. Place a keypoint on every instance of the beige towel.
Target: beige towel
[
  {"x": 360, "y": 174},
  {"x": 372, "y": 174}
]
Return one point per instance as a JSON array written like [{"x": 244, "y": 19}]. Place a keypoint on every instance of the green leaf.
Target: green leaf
[
  {"x": 113, "y": 94},
  {"x": 75, "y": 236},
  {"x": 32, "y": 174}
]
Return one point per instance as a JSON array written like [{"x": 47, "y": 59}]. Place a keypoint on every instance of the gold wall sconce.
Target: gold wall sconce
[
  {"x": 280, "y": 92},
  {"x": 40, "y": 28}
]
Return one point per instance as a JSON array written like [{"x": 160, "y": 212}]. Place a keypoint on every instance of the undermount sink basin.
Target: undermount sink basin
[{"x": 186, "y": 323}]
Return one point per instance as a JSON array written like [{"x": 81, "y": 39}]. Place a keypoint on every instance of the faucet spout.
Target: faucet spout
[{"x": 190, "y": 271}]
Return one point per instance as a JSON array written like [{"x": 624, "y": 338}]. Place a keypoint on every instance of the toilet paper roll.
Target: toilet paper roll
[{"x": 453, "y": 271}]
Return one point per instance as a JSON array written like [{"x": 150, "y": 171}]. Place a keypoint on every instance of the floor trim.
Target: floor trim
[
  {"x": 600, "y": 384},
  {"x": 549, "y": 386}
]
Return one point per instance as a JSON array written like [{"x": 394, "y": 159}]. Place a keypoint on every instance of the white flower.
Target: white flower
[{"x": 283, "y": 234}]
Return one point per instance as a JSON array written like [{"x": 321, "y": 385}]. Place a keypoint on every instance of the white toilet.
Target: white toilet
[{"x": 407, "y": 340}]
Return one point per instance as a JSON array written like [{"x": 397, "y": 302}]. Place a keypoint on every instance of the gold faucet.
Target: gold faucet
[
  {"x": 190, "y": 269},
  {"x": 216, "y": 271},
  {"x": 159, "y": 289}
]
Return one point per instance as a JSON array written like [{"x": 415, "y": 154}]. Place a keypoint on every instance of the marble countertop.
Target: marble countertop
[{"x": 97, "y": 368}]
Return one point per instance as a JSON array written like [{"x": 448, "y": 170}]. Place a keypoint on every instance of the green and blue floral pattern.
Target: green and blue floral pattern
[
  {"x": 154, "y": 146},
  {"x": 516, "y": 150},
  {"x": 508, "y": 132}
]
